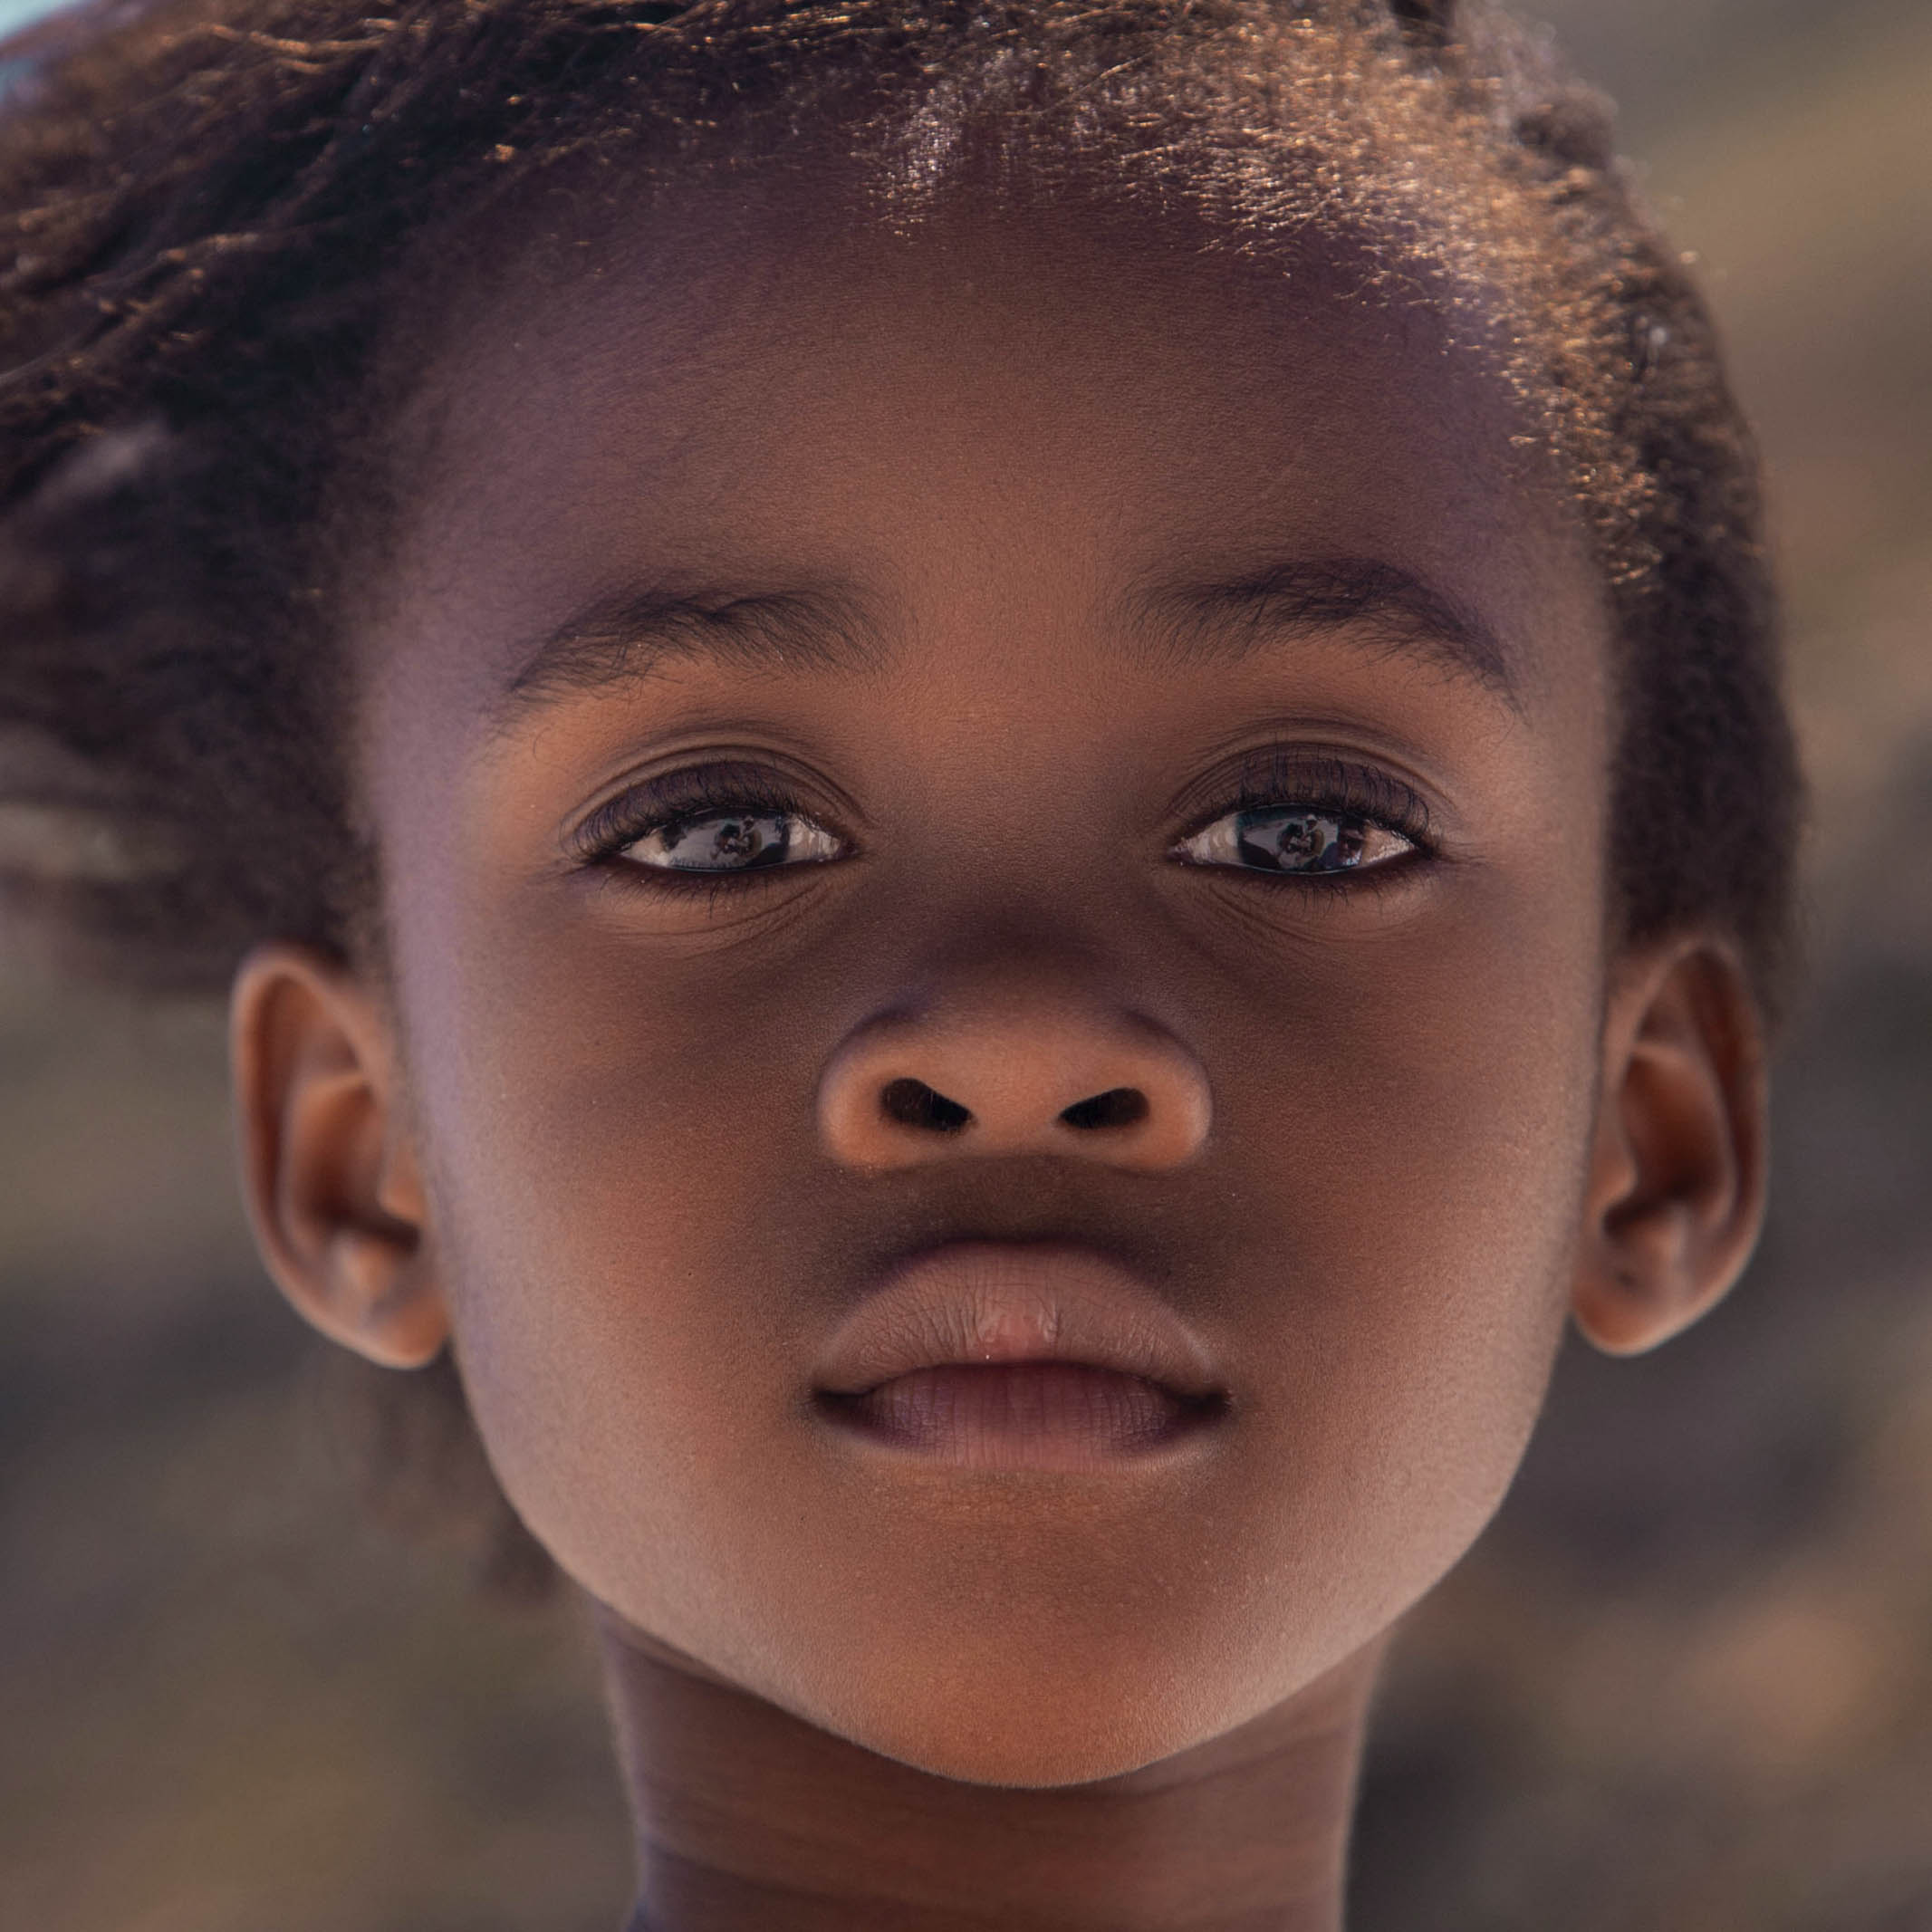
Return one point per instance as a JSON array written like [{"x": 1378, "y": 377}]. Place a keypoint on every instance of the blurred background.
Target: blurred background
[{"x": 1682, "y": 1684}]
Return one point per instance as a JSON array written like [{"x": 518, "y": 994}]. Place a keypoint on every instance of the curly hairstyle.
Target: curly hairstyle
[{"x": 211, "y": 212}]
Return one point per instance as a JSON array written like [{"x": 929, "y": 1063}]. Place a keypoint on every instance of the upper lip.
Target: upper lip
[{"x": 1013, "y": 1301}]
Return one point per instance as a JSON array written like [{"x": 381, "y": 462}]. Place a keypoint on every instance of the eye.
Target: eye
[
  {"x": 705, "y": 828},
  {"x": 1308, "y": 840},
  {"x": 731, "y": 841}
]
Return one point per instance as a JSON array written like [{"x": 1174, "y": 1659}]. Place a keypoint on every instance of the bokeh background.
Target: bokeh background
[{"x": 1682, "y": 1684}]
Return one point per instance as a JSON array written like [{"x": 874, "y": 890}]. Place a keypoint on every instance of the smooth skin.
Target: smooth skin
[{"x": 916, "y": 529}]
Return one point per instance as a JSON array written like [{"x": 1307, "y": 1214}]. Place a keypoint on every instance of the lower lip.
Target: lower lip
[{"x": 1034, "y": 1415}]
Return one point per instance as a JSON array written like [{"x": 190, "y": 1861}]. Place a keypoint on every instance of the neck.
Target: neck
[{"x": 749, "y": 1817}]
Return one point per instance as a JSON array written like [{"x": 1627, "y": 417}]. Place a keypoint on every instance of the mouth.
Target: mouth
[{"x": 1000, "y": 1355}]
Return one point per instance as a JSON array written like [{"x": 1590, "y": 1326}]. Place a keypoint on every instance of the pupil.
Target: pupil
[{"x": 737, "y": 839}]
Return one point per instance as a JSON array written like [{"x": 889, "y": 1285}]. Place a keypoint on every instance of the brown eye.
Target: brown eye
[
  {"x": 731, "y": 841},
  {"x": 1309, "y": 839}
]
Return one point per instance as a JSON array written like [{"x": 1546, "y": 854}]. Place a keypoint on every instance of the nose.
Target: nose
[{"x": 1017, "y": 1076}]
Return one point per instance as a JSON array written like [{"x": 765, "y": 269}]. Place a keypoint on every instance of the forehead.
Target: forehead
[{"x": 750, "y": 391}]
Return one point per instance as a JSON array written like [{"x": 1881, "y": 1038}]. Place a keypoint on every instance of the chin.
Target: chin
[{"x": 1072, "y": 1722}]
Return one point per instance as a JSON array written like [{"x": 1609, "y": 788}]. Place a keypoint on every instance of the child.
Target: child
[{"x": 989, "y": 788}]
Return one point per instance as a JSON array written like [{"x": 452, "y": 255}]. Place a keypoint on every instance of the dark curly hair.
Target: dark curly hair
[{"x": 211, "y": 212}]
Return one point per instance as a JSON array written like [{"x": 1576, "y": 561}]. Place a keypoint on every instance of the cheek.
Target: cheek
[
  {"x": 1416, "y": 1213},
  {"x": 1432, "y": 1244},
  {"x": 611, "y": 1167}
]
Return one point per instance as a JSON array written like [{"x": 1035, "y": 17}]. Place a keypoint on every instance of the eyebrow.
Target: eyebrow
[
  {"x": 622, "y": 638},
  {"x": 1392, "y": 609}
]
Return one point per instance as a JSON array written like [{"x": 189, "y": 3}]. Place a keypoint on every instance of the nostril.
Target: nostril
[
  {"x": 912, "y": 1103},
  {"x": 1117, "y": 1107}
]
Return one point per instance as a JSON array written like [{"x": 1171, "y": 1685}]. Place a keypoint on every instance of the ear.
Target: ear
[
  {"x": 1677, "y": 1176},
  {"x": 329, "y": 1166}
]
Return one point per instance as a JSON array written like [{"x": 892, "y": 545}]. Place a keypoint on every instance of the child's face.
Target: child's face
[{"x": 985, "y": 479}]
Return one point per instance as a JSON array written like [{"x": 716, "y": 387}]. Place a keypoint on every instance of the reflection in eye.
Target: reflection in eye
[
  {"x": 1305, "y": 839},
  {"x": 731, "y": 841}
]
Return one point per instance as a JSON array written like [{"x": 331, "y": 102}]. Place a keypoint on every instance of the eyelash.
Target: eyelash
[{"x": 1269, "y": 779}]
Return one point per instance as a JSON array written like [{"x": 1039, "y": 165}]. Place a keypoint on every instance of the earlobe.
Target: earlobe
[
  {"x": 329, "y": 1170},
  {"x": 1675, "y": 1199}
]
